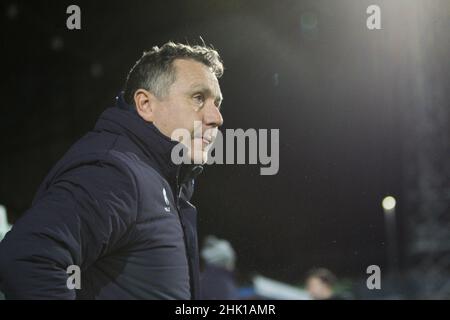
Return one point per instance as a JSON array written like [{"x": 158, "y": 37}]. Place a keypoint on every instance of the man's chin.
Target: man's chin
[{"x": 198, "y": 157}]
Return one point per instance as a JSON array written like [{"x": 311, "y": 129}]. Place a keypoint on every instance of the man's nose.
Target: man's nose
[{"x": 213, "y": 117}]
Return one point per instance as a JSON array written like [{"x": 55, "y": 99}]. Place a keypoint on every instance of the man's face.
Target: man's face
[
  {"x": 191, "y": 103},
  {"x": 317, "y": 289}
]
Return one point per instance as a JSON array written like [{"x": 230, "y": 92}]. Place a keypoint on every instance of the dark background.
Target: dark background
[{"x": 339, "y": 93}]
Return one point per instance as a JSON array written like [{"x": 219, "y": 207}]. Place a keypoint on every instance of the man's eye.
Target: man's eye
[{"x": 199, "y": 98}]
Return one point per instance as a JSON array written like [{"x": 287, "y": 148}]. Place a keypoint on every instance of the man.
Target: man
[
  {"x": 320, "y": 284},
  {"x": 217, "y": 277},
  {"x": 116, "y": 205}
]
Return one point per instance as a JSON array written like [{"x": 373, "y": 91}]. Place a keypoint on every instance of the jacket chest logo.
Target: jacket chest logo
[{"x": 167, "y": 207}]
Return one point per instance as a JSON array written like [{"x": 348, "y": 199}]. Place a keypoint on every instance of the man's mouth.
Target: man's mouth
[{"x": 207, "y": 140}]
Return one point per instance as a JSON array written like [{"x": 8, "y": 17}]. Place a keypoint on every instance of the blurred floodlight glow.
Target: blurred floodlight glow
[
  {"x": 56, "y": 43},
  {"x": 388, "y": 203},
  {"x": 308, "y": 21},
  {"x": 96, "y": 70},
  {"x": 12, "y": 11}
]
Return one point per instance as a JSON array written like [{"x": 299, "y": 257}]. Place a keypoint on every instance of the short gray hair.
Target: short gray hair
[{"x": 154, "y": 71}]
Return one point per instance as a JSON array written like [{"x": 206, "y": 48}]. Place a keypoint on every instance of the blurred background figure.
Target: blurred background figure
[
  {"x": 4, "y": 225},
  {"x": 320, "y": 284},
  {"x": 4, "y": 228},
  {"x": 217, "y": 278}
]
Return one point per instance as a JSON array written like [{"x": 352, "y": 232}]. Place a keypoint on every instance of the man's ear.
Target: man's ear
[{"x": 145, "y": 104}]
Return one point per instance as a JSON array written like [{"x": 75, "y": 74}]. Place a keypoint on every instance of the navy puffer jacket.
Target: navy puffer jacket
[{"x": 118, "y": 208}]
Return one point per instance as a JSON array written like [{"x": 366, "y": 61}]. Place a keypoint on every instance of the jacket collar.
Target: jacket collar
[{"x": 125, "y": 120}]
